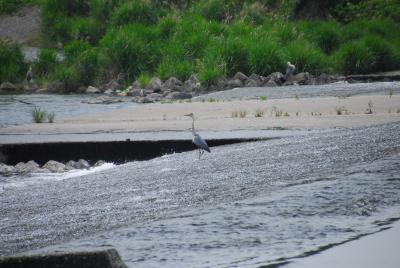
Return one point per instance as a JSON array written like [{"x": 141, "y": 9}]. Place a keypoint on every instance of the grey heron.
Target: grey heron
[
  {"x": 29, "y": 74},
  {"x": 289, "y": 70},
  {"x": 197, "y": 139}
]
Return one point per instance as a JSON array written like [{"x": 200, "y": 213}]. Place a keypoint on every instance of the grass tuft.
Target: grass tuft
[{"x": 38, "y": 115}]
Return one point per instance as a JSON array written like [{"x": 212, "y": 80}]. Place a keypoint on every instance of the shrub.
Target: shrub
[
  {"x": 181, "y": 69},
  {"x": 305, "y": 57},
  {"x": 265, "y": 58},
  {"x": 385, "y": 56},
  {"x": 214, "y": 10},
  {"x": 144, "y": 79},
  {"x": 134, "y": 11},
  {"x": 285, "y": 33},
  {"x": 74, "y": 49},
  {"x": 102, "y": 9},
  {"x": 355, "y": 57},
  {"x": 12, "y": 65},
  {"x": 166, "y": 27},
  {"x": 87, "y": 66},
  {"x": 45, "y": 63},
  {"x": 67, "y": 8},
  {"x": 370, "y": 54},
  {"x": 254, "y": 13},
  {"x": 368, "y": 9},
  {"x": 67, "y": 77},
  {"x": 236, "y": 55},
  {"x": 88, "y": 29},
  {"x": 326, "y": 35},
  {"x": 132, "y": 50}
]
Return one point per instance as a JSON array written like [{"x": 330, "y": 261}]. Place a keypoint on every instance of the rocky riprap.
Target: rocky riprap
[
  {"x": 51, "y": 166},
  {"x": 174, "y": 89}
]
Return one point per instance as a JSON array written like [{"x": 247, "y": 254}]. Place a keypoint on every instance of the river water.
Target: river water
[
  {"x": 243, "y": 205},
  {"x": 17, "y": 109}
]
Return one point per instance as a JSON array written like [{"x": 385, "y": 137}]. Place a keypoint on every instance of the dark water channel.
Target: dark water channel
[{"x": 243, "y": 205}]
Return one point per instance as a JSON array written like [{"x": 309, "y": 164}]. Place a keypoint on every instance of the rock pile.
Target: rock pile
[
  {"x": 51, "y": 166},
  {"x": 174, "y": 89}
]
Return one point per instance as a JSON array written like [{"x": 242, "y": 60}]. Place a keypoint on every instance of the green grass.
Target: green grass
[
  {"x": 213, "y": 39},
  {"x": 12, "y": 65},
  {"x": 259, "y": 112},
  {"x": 38, "y": 115}
]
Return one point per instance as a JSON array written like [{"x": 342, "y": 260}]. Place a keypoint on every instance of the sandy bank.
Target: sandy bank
[{"x": 306, "y": 113}]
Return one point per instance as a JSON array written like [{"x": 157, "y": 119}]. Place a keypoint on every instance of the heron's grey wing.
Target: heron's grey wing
[{"x": 202, "y": 144}]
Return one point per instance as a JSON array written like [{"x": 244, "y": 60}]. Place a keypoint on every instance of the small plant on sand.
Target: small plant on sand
[
  {"x": 390, "y": 93},
  {"x": 212, "y": 100},
  {"x": 259, "y": 112},
  {"x": 239, "y": 113},
  {"x": 341, "y": 110},
  {"x": 38, "y": 115},
  {"x": 50, "y": 117},
  {"x": 296, "y": 97},
  {"x": 370, "y": 108},
  {"x": 242, "y": 113},
  {"x": 277, "y": 112},
  {"x": 286, "y": 114},
  {"x": 263, "y": 98},
  {"x": 398, "y": 110}
]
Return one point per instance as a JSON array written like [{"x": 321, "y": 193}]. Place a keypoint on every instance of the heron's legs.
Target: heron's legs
[{"x": 200, "y": 153}]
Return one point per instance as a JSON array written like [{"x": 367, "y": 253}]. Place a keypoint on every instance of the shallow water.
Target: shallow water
[
  {"x": 15, "y": 112},
  {"x": 243, "y": 205}
]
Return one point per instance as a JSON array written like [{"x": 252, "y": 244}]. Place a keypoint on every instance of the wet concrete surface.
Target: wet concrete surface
[{"x": 249, "y": 203}]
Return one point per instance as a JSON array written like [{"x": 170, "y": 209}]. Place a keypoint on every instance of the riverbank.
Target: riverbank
[{"x": 294, "y": 113}]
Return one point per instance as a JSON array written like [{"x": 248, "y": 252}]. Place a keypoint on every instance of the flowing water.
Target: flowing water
[
  {"x": 243, "y": 205},
  {"x": 17, "y": 109}
]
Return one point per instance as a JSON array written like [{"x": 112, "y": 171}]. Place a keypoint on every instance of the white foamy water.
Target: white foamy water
[{"x": 36, "y": 178}]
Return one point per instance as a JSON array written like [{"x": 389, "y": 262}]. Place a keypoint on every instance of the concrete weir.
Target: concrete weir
[
  {"x": 103, "y": 258},
  {"x": 111, "y": 151}
]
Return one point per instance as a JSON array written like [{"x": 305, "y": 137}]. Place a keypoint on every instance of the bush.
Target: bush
[
  {"x": 368, "y": 9},
  {"x": 211, "y": 68},
  {"x": 236, "y": 55},
  {"x": 367, "y": 55},
  {"x": 88, "y": 29},
  {"x": 67, "y": 77},
  {"x": 45, "y": 63},
  {"x": 12, "y": 65},
  {"x": 386, "y": 57},
  {"x": 265, "y": 58},
  {"x": 305, "y": 57},
  {"x": 326, "y": 35},
  {"x": 214, "y": 10},
  {"x": 166, "y": 27},
  {"x": 74, "y": 49},
  {"x": 135, "y": 11},
  {"x": 132, "y": 50},
  {"x": 181, "y": 69},
  {"x": 254, "y": 13},
  {"x": 102, "y": 9},
  {"x": 355, "y": 58}
]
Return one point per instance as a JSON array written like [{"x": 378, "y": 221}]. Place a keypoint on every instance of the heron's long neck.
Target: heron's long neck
[{"x": 193, "y": 131}]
